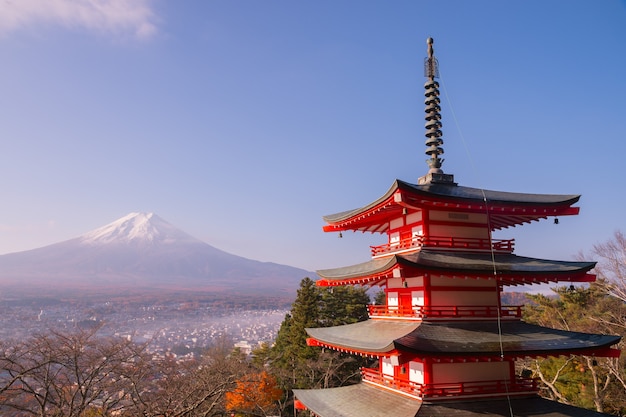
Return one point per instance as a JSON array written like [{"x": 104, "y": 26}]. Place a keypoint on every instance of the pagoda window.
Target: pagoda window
[
  {"x": 394, "y": 239},
  {"x": 387, "y": 367},
  {"x": 392, "y": 300},
  {"x": 417, "y": 298},
  {"x": 416, "y": 372},
  {"x": 417, "y": 232}
]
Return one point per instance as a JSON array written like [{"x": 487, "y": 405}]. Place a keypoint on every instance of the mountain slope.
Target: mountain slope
[{"x": 141, "y": 250}]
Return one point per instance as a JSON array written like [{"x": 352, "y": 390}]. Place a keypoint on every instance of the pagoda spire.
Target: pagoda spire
[{"x": 433, "y": 121}]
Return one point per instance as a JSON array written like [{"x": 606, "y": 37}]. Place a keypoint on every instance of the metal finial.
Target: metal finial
[
  {"x": 431, "y": 65},
  {"x": 433, "y": 115}
]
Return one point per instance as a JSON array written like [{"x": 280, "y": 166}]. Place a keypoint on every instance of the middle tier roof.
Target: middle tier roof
[
  {"x": 509, "y": 269},
  {"x": 450, "y": 339}
]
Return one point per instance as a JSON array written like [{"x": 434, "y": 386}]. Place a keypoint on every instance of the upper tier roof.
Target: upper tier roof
[
  {"x": 505, "y": 208},
  {"x": 450, "y": 339},
  {"x": 509, "y": 269},
  {"x": 365, "y": 400}
]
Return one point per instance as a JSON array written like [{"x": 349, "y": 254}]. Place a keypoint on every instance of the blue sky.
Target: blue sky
[{"x": 243, "y": 122}]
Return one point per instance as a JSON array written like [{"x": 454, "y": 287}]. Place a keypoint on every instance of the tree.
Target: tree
[
  {"x": 343, "y": 305},
  {"x": 255, "y": 394},
  {"x": 612, "y": 265},
  {"x": 260, "y": 356},
  {"x": 598, "y": 308},
  {"x": 79, "y": 374},
  {"x": 380, "y": 298},
  {"x": 66, "y": 374},
  {"x": 290, "y": 350},
  {"x": 298, "y": 365},
  {"x": 169, "y": 388},
  {"x": 594, "y": 383}
]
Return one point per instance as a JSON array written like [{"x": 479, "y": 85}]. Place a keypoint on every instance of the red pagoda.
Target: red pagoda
[{"x": 445, "y": 344}]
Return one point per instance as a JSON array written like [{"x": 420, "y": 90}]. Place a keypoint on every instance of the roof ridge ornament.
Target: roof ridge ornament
[{"x": 433, "y": 122}]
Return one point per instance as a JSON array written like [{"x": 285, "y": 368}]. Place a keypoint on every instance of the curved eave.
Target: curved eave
[
  {"x": 504, "y": 208},
  {"x": 370, "y": 337},
  {"x": 509, "y": 338},
  {"x": 366, "y": 273},
  {"x": 369, "y": 218},
  {"x": 509, "y": 269}
]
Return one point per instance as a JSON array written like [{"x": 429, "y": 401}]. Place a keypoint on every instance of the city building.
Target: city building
[{"x": 444, "y": 343}]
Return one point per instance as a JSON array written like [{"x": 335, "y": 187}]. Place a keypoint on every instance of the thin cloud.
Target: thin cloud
[{"x": 112, "y": 17}]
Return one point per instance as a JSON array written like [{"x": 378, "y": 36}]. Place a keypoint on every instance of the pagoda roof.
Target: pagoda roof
[
  {"x": 365, "y": 400},
  {"x": 461, "y": 338},
  {"x": 534, "y": 406},
  {"x": 510, "y": 269},
  {"x": 357, "y": 400},
  {"x": 505, "y": 209},
  {"x": 371, "y": 336}
]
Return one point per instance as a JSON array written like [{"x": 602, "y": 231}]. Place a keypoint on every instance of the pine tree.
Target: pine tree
[
  {"x": 343, "y": 305},
  {"x": 291, "y": 354},
  {"x": 301, "y": 366}
]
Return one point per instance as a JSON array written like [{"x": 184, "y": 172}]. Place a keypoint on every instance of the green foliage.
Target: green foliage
[
  {"x": 343, "y": 305},
  {"x": 261, "y": 356},
  {"x": 290, "y": 347},
  {"x": 300, "y": 366}
]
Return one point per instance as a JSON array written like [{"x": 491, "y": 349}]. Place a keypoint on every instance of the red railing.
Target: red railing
[
  {"x": 373, "y": 375},
  {"x": 456, "y": 389},
  {"x": 445, "y": 311},
  {"x": 440, "y": 242}
]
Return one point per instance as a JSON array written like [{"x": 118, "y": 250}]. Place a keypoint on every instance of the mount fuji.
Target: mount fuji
[{"x": 143, "y": 251}]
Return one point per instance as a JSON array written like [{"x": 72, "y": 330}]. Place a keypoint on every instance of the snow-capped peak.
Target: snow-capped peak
[{"x": 137, "y": 228}]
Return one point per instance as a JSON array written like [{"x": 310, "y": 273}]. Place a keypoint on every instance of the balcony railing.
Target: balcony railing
[
  {"x": 456, "y": 389},
  {"x": 423, "y": 312},
  {"x": 440, "y": 242}
]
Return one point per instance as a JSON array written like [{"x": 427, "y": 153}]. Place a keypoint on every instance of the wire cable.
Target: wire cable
[{"x": 493, "y": 258}]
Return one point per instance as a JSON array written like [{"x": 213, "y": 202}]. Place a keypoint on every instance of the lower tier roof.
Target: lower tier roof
[
  {"x": 364, "y": 400},
  {"x": 473, "y": 338},
  {"x": 521, "y": 407},
  {"x": 508, "y": 268},
  {"x": 359, "y": 400}
]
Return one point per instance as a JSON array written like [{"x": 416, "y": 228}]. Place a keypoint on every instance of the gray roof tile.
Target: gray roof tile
[
  {"x": 458, "y": 338},
  {"x": 364, "y": 400}
]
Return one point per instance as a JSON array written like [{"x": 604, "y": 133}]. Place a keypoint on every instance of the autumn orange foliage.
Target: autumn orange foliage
[{"x": 255, "y": 393}]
